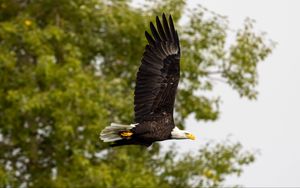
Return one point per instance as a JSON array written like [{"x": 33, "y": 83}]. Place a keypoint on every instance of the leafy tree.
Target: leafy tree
[{"x": 67, "y": 69}]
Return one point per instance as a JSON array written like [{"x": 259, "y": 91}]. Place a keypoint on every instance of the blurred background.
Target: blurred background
[{"x": 67, "y": 70}]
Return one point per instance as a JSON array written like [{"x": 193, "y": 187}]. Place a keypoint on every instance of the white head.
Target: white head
[{"x": 181, "y": 134}]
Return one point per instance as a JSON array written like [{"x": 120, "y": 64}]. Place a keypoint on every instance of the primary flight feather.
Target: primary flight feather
[{"x": 155, "y": 91}]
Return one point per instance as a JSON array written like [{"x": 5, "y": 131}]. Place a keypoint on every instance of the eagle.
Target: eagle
[{"x": 154, "y": 96}]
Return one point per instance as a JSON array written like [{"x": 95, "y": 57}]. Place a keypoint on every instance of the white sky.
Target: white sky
[{"x": 270, "y": 124}]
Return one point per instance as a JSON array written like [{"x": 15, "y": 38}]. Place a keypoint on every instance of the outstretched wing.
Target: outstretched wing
[{"x": 158, "y": 75}]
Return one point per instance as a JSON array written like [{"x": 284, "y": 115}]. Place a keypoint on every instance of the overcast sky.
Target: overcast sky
[{"x": 270, "y": 124}]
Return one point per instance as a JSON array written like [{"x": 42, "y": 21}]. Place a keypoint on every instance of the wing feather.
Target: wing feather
[
  {"x": 149, "y": 38},
  {"x": 154, "y": 32},
  {"x": 172, "y": 28},
  {"x": 158, "y": 75},
  {"x": 166, "y": 28},
  {"x": 160, "y": 29}
]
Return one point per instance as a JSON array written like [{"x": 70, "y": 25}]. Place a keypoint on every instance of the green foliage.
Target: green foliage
[
  {"x": 67, "y": 69},
  {"x": 207, "y": 168}
]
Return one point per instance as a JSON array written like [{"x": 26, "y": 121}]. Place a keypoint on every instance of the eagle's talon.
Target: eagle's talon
[{"x": 126, "y": 133}]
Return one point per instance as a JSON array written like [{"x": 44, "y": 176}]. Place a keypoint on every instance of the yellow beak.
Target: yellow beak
[{"x": 191, "y": 136}]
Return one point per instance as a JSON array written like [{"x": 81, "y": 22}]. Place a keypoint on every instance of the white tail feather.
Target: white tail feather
[{"x": 111, "y": 133}]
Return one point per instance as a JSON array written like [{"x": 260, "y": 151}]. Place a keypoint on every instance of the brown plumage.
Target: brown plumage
[
  {"x": 158, "y": 75},
  {"x": 155, "y": 91}
]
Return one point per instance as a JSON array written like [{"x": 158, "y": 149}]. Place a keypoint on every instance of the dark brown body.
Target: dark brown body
[{"x": 147, "y": 132}]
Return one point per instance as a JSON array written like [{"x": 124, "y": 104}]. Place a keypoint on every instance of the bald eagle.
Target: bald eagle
[{"x": 155, "y": 91}]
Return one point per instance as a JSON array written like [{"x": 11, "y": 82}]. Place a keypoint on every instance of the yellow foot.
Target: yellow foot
[{"x": 126, "y": 133}]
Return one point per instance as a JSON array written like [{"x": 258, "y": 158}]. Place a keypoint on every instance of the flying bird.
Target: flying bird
[{"x": 155, "y": 91}]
